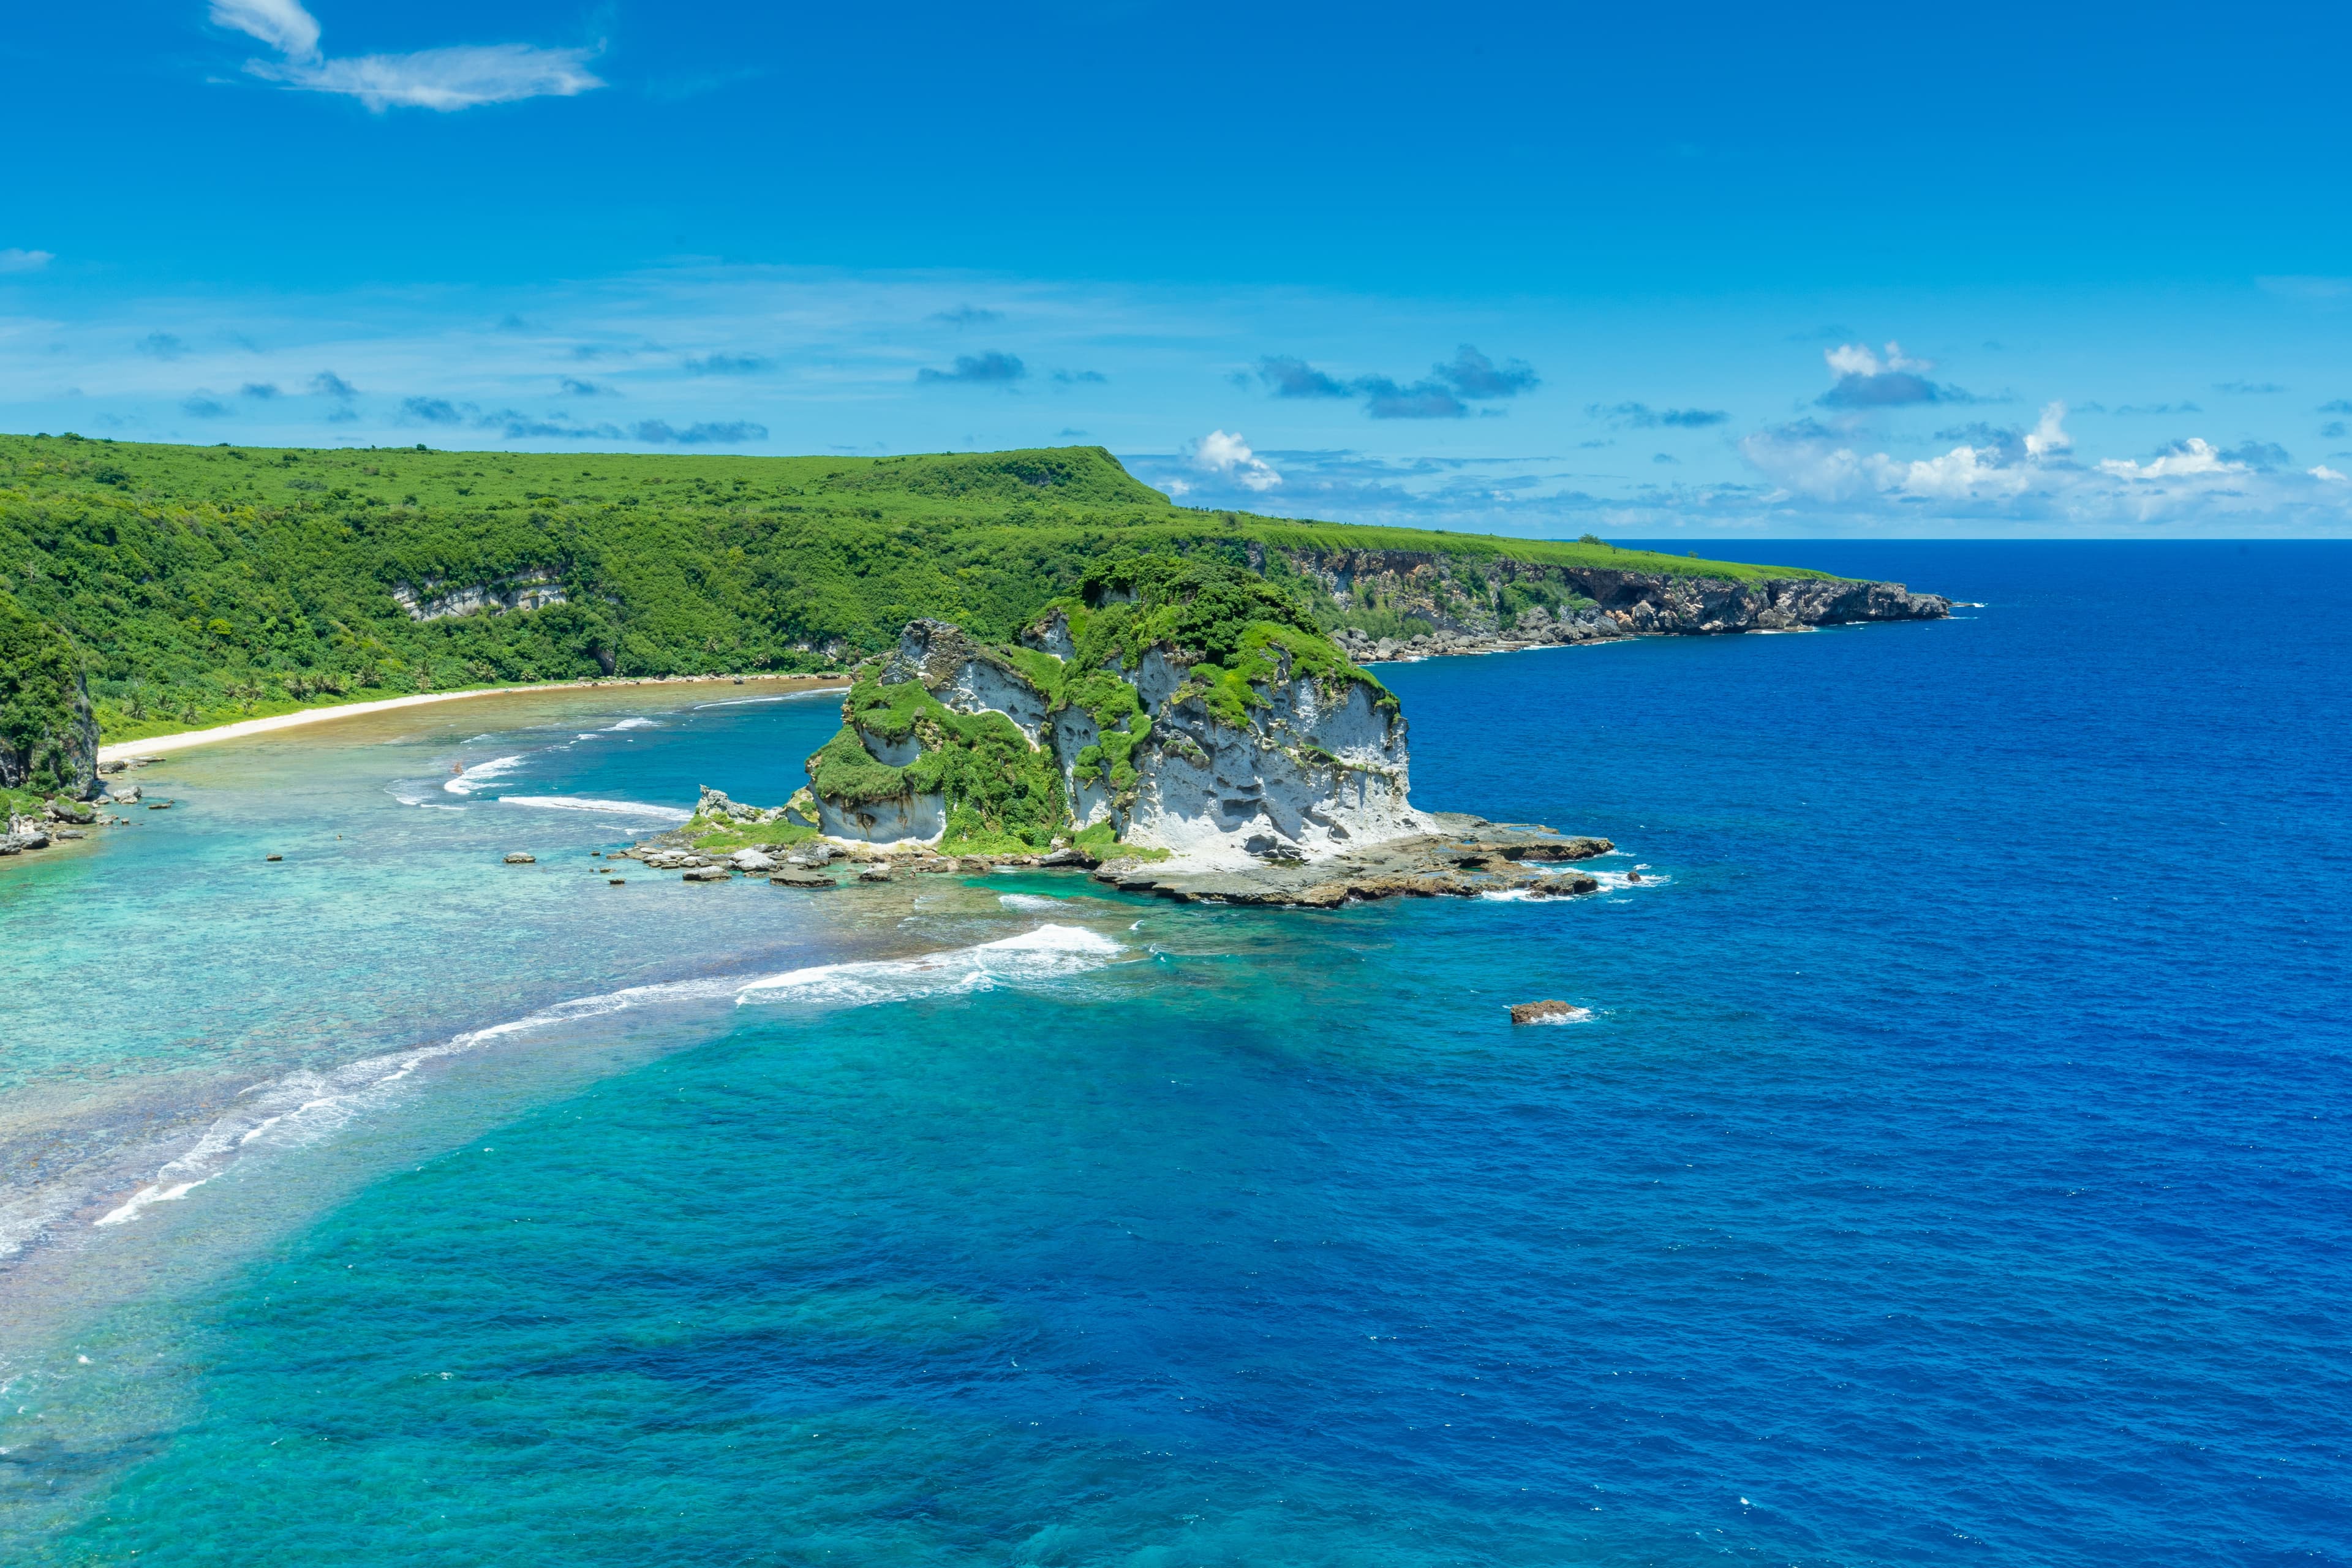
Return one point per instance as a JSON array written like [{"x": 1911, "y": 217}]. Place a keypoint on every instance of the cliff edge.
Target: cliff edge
[{"x": 1176, "y": 705}]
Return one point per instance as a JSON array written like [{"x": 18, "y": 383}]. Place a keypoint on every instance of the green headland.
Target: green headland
[{"x": 187, "y": 586}]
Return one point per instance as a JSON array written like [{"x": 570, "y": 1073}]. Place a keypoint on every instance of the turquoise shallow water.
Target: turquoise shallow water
[{"x": 1952, "y": 1167}]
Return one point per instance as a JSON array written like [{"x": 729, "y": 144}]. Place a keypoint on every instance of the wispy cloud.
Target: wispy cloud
[
  {"x": 263, "y": 389},
  {"x": 161, "y": 345},
  {"x": 432, "y": 410},
  {"x": 1384, "y": 399},
  {"x": 726, "y": 433},
  {"x": 1074, "y": 377},
  {"x": 575, "y": 387},
  {"x": 725, "y": 364},
  {"x": 1445, "y": 393},
  {"x": 460, "y": 76},
  {"x": 204, "y": 405},
  {"x": 1641, "y": 416},
  {"x": 1288, "y": 377},
  {"x": 2167, "y": 408},
  {"x": 1864, "y": 381},
  {"x": 2248, "y": 388},
  {"x": 968, "y": 316},
  {"x": 326, "y": 383},
  {"x": 988, "y": 368},
  {"x": 16, "y": 260},
  {"x": 1474, "y": 376}
]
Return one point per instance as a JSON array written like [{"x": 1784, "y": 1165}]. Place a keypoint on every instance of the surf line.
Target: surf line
[{"x": 303, "y": 1107}]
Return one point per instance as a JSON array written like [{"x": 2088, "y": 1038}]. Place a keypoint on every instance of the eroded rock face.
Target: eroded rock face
[
  {"x": 1319, "y": 764},
  {"x": 922, "y": 817},
  {"x": 1314, "y": 770},
  {"x": 1464, "y": 617}
]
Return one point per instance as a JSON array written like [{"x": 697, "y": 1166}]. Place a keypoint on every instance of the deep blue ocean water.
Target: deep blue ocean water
[{"x": 1953, "y": 1168}]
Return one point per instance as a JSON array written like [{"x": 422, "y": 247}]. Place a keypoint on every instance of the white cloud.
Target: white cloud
[
  {"x": 1855, "y": 359},
  {"x": 460, "y": 76},
  {"x": 1958, "y": 474},
  {"x": 283, "y": 25},
  {"x": 2330, "y": 475},
  {"x": 2192, "y": 457},
  {"x": 16, "y": 260},
  {"x": 1228, "y": 456},
  {"x": 2049, "y": 435}
]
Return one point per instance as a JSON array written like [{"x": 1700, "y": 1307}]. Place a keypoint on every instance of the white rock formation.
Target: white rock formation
[{"x": 1315, "y": 770}]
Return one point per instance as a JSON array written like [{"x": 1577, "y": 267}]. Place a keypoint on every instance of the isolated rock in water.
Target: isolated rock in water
[
  {"x": 801, "y": 880},
  {"x": 517, "y": 858},
  {"x": 813, "y": 855},
  {"x": 714, "y": 802},
  {"x": 709, "y": 874},
  {"x": 127, "y": 796},
  {"x": 1545, "y": 1012},
  {"x": 752, "y": 860},
  {"x": 1560, "y": 849},
  {"x": 874, "y": 873},
  {"x": 1567, "y": 885},
  {"x": 72, "y": 811},
  {"x": 1186, "y": 705}
]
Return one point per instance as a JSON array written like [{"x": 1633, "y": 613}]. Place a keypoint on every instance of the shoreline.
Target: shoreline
[{"x": 124, "y": 750}]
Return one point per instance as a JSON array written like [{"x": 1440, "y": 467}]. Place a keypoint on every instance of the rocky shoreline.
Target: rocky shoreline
[
  {"x": 1466, "y": 856},
  {"x": 1610, "y": 608}
]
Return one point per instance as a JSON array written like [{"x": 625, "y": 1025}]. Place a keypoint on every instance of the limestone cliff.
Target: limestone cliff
[
  {"x": 1173, "y": 705},
  {"x": 1439, "y": 602}
]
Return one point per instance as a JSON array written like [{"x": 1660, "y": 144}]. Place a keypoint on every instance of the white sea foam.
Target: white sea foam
[
  {"x": 1573, "y": 1015},
  {"x": 1034, "y": 902},
  {"x": 304, "y": 1107},
  {"x": 588, "y": 803},
  {"x": 630, "y": 724},
  {"x": 480, "y": 773},
  {"x": 1048, "y": 953}
]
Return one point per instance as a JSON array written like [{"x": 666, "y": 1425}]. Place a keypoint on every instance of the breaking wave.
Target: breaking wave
[
  {"x": 302, "y": 1108},
  {"x": 589, "y": 803},
  {"x": 480, "y": 773}
]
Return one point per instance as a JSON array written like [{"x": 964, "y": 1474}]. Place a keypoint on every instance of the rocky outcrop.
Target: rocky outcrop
[
  {"x": 534, "y": 588},
  {"x": 1483, "y": 605},
  {"x": 48, "y": 736},
  {"x": 1300, "y": 756},
  {"x": 1460, "y": 857}
]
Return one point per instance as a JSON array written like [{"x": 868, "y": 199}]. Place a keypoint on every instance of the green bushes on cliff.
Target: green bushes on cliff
[
  {"x": 48, "y": 743},
  {"x": 206, "y": 584}
]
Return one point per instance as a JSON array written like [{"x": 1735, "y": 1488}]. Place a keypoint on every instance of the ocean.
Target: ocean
[{"x": 1949, "y": 1162}]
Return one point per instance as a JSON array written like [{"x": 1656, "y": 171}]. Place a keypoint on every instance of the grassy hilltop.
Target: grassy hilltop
[{"x": 202, "y": 585}]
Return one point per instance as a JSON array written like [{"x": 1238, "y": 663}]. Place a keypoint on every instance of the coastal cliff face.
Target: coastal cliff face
[
  {"x": 1501, "y": 602},
  {"x": 48, "y": 736},
  {"x": 1176, "y": 706}
]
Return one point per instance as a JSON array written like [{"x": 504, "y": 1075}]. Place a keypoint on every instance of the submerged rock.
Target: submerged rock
[
  {"x": 1545, "y": 1012},
  {"x": 517, "y": 858},
  {"x": 708, "y": 874},
  {"x": 801, "y": 880}
]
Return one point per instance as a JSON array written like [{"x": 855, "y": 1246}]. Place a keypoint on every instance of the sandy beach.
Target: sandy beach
[{"x": 154, "y": 745}]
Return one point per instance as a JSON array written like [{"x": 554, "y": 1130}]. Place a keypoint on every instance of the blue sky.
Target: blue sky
[{"x": 1708, "y": 271}]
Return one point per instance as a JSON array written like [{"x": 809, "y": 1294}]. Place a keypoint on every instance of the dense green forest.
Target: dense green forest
[{"x": 200, "y": 585}]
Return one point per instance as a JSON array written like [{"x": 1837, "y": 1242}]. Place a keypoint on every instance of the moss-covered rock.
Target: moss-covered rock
[{"x": 1171, "y": 701}]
